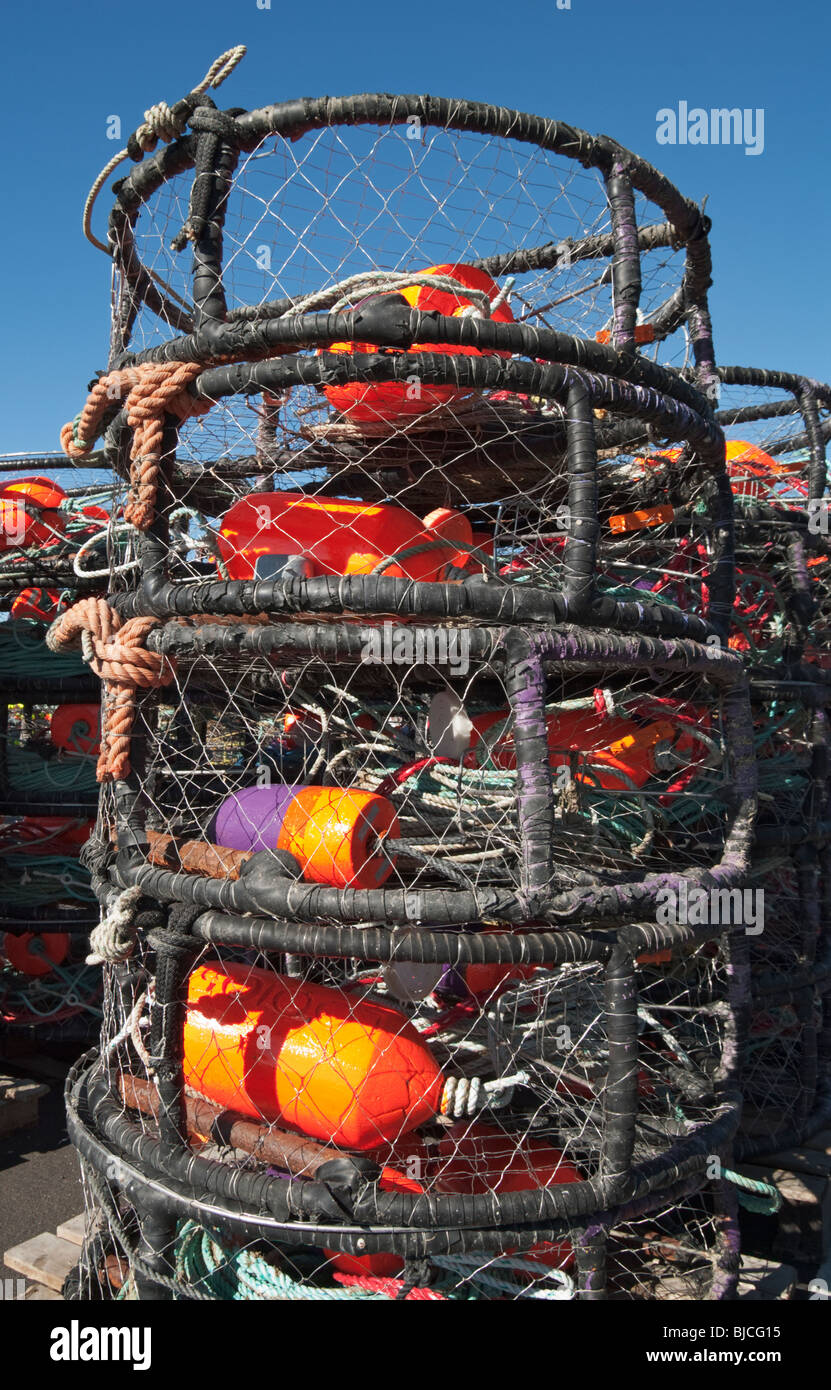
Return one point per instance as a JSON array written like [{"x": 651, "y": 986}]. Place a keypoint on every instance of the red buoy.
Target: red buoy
[
  {"x": 33, "y": 953},
  {"x": 390, "y": 401}
]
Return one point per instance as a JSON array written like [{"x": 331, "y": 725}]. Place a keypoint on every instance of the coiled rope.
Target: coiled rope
[{"x": 239, "y": 1275}]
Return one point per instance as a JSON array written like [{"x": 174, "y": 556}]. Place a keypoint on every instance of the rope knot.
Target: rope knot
[
  {"x": 160, "y": 123},
  {"x": 118, "y": 656},
  {"x": 152, "y": 390},
  {"x": 114, "y": 939}
]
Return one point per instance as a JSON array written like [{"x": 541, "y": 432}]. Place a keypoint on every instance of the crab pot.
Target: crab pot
[
  {"x": 442, "y": 792},
  {"x": 444, "y": 813},
  {"x": 507, "y": 1089},
  {"x": 48, "y": 802}
]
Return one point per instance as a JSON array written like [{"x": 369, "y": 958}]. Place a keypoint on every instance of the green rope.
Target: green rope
[
  {"x": 28, "y": 880},
  {"x": 243, "y": 1275},
  {"x": 29, "y": 772},
  {"x": 22, "y": 652},
  {"x": 754, "y": 1194}
]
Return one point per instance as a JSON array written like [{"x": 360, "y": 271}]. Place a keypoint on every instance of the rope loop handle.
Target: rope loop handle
[{"x": 161, "y": 122}]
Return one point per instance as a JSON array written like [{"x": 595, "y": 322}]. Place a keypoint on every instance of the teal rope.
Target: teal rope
[
  {"x": 29, "y": 772},
  {"x": 36, "y": 996},
  {"x": 243, "y": 1275},
  {"x": 754, "y": 1194},
  {"x": 22, "y": 652},
  {"x": 29, "y": 880}
]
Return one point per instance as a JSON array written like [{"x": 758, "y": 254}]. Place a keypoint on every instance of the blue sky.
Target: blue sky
[{"x": 606, "y": 65}]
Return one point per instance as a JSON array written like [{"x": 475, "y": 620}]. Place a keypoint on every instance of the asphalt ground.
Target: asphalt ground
[{"x": 40, "y": 1180}]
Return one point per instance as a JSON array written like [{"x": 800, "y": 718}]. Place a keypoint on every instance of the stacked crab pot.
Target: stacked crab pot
[
  {"x": 49, "y": 714},
  {"x": 433, "y": 774}
]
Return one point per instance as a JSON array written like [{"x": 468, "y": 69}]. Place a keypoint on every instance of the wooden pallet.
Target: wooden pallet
[
  {"x": 19, "y": 1103},
  {"x": 45, "y": 1260}
]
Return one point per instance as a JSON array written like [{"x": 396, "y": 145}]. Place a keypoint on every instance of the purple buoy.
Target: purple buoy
[{"x": 253, "y": 818}]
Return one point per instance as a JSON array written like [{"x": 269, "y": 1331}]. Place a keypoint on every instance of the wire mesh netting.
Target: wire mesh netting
[{"x": 463, "y": 746}]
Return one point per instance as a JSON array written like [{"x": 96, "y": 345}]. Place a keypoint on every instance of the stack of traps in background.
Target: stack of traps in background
[
  {"x": 49, "y": 716},
  {"x": 484, "y": 694}
]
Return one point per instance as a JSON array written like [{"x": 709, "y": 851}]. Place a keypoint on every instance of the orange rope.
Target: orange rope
[
  {"x": 122, "y": 662},
  {"x": 152, "y": 390}
]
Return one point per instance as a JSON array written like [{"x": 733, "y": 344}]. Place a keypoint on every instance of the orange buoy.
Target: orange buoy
[
  {"x": 390, "y": 401},
  {"x": 29, "y": 512},
  {"x": 335, "y": 833},
  {"x": 37, "y": 492},
  {"x": 620, "y": 751},
  {"x": 41, "y": 605},
  {"x": 34, "y": 953},
  {"x": 336, "y": 1067},
  {"x": 77, "y": 728},
  {"x": 752, "y": 472},
  {"x": 262, "y": 534}
]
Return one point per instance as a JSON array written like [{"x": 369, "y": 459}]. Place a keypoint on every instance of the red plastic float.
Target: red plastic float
[
  {"x": 34, "y": 954},
  {"x": 333, "y": 535},
  {"x": 390, "y": 401}
]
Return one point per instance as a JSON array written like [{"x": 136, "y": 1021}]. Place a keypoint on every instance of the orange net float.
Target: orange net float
[
  {"x": 260, "y": 536},
  {"x": 76, "y": 728},
  {"x": 349, "y": 1071},
  {"x": 34, "y": 954},
  {"x": 29, "y": 512},
  {"x": 391, "y": 401},
  {"x": 334, "y": 833}
]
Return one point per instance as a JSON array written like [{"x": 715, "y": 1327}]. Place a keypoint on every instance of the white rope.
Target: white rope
[
  {"x": 159, "y": 124},
  {"x": 380, "y": 281},
  {"x": 114, "y": 938},
  {"x": 108, "y": 569},
  {"x": 465, "y": 1095},
  {"x": 497, "y": 1275},
  {"x": 130, "y": 1029}
]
